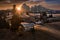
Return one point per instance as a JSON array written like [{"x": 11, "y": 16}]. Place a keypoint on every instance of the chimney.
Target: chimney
[{"x": 14, "y": 9}]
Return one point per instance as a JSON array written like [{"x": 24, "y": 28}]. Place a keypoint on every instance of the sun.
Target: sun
[{"x": 18, "y": 8}]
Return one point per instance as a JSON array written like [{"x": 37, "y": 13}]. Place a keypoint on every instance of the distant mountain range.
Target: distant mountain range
[{"x": 57, "y": 11}]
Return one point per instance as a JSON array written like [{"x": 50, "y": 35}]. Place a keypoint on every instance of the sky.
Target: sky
[
  {"x": 53, "y": 1},
  {"x": 48, "y": 1},
  {"x": 51, "y": 4}
]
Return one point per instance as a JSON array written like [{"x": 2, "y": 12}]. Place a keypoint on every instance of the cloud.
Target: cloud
[
  {"x": 50, "y": 6},
  {"x": 47, "y": 4},
  {"x": 36, "y": 0}
]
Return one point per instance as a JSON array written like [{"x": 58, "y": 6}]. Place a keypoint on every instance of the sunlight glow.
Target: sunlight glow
[{"x": 18, "y": 8}]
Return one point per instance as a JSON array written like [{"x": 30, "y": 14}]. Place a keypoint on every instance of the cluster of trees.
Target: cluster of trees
[
  {"x": 25, "y": 7},
  {"x": 35, "y": 8},
  {"x": 38, "y": 8}
]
